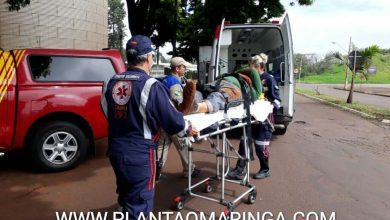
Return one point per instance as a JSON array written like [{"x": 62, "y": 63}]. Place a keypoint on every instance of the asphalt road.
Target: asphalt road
[
  {"x": 382, "y": 101},
  {"x": 328, "y": 161}
]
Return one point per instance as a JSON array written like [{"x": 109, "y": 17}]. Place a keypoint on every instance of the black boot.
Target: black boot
[
  {"x": 239, "y": 171},
  {"x": 264, "y": 171},
  {"x": 263, "y": 154},
  {"x": 261, "y": 174}
]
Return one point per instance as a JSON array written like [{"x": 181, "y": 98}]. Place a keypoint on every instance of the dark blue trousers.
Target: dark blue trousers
[
  {"x": 134, "y": 173},
  {"x": 261, "y": 134}
]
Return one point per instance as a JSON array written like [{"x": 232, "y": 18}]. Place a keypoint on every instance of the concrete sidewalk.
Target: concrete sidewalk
[
  {"x": 370, "y": 94},
  {"x": 373, "y": 89}
]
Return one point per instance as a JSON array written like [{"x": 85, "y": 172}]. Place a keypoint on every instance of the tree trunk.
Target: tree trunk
[
  {"x": 346, "y": 78},
  {"x": 158, "y": 55},
  {"x": 350, "y": 96},
  {"x": 141, "y": 16},
  {"x": 174, "y": 33}
]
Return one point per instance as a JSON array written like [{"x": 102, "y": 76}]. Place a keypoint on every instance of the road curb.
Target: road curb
[
  {"x": 365, "y": 115},
  {"x": 363, "y": 92}
]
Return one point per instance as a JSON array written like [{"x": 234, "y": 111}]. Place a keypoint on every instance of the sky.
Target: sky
[{"x": 315, "y": 27}]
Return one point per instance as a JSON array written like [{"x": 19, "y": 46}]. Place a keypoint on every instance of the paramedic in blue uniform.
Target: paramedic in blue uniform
[
  {"x": 137, "y": 106},
  {"x": 264, "y": 133},
  {"x": 261, "y": 132}
]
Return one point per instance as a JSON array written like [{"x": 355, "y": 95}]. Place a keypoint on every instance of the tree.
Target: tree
[
  {"x": 202, "y": 17},
  {"x": 302, "y": 2},
  {"x": 366, "y": 60},
  {"x": 142, "y": 16},
  {"x": 312, "y": 63},
  {"x": 16, "y": 5},
  {"x": 116, "y": 14},
  {"x": 165, "y": 27},
  {"x": 153, "y": 18},
  {"x": 191, "y": 22},
  {"x": 367, "y": 54}
]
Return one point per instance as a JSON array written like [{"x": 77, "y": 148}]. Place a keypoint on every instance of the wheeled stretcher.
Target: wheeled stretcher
[{"x": 223, "y": 121}]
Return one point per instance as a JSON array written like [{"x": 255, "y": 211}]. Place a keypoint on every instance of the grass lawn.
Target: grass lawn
[
  {"x": 378, "y": 113},
  {"x": 336, "y": 74}
]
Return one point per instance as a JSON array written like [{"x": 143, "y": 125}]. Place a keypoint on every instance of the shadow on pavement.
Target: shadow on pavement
[{"x": 26, "y": 194}]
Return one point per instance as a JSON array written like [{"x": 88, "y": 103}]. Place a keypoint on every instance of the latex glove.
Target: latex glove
[{"x": 192, "y": 131}]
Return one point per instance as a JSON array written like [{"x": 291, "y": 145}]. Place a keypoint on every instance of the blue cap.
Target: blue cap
[{"x": 139, "y": 43}]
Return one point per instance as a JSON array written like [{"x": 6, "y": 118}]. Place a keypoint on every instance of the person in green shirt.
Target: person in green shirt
[
  {"x": 230, "y": 89},
  {"x": 261, "y": 132},
  {"x": 255, "y": 83}
]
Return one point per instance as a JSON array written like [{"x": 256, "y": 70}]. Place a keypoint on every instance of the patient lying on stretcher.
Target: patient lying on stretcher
[{"x": 215, "y": 95}]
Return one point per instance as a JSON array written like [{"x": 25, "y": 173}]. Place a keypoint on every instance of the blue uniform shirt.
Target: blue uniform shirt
[
  {"x": 271, "y": 89},
  {"x": 137, "y": 107}
]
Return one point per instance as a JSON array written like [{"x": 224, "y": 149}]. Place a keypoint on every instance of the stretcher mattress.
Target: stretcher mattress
[{"x": 260, "y": 110}]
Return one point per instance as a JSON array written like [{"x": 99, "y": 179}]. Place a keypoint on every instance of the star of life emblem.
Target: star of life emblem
[{"x": 121, "y": 92}]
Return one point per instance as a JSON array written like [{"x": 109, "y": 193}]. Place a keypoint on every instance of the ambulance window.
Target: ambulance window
[{"x": 57, "y": 68}]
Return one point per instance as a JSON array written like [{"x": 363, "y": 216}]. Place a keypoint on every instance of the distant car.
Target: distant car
[{"x": 50, "y": 103}]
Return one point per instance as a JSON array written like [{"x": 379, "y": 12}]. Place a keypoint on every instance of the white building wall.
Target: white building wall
[{"x": 72, "y": 24}]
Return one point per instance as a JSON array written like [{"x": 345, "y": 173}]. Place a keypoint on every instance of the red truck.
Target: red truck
[{"x": 50, "y": 103}]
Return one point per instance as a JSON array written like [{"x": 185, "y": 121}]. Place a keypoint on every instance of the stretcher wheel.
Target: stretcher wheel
[
  {"x": 179, "y": 203},
  {"x": 252, "y": 197},
  {"x": 227, "y": 213},
  {"x": 208, "y": 188}
]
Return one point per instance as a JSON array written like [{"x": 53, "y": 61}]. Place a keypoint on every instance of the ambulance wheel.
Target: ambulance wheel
[
  {"x": 281, "y": 131},
  {"x": 58, "y": 146}
]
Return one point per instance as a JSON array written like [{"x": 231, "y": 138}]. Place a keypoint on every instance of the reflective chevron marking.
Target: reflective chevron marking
[{"x": 8, "y": 69}]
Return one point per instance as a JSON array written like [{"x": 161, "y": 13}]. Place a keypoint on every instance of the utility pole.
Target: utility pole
[
  {"x": 300, "y": 69},
  {"x": 346, "y": 68},
  {"x": 350, "y": 96}
]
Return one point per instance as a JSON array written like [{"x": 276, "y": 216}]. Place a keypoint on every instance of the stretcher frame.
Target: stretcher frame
[{"x": 221, "y": 151}]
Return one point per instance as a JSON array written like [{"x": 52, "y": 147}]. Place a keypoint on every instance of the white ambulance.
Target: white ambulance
[{"x": 234, "y": 44}]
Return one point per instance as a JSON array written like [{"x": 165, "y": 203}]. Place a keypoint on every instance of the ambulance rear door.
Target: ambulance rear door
[{"x": 287, "y": 69}]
